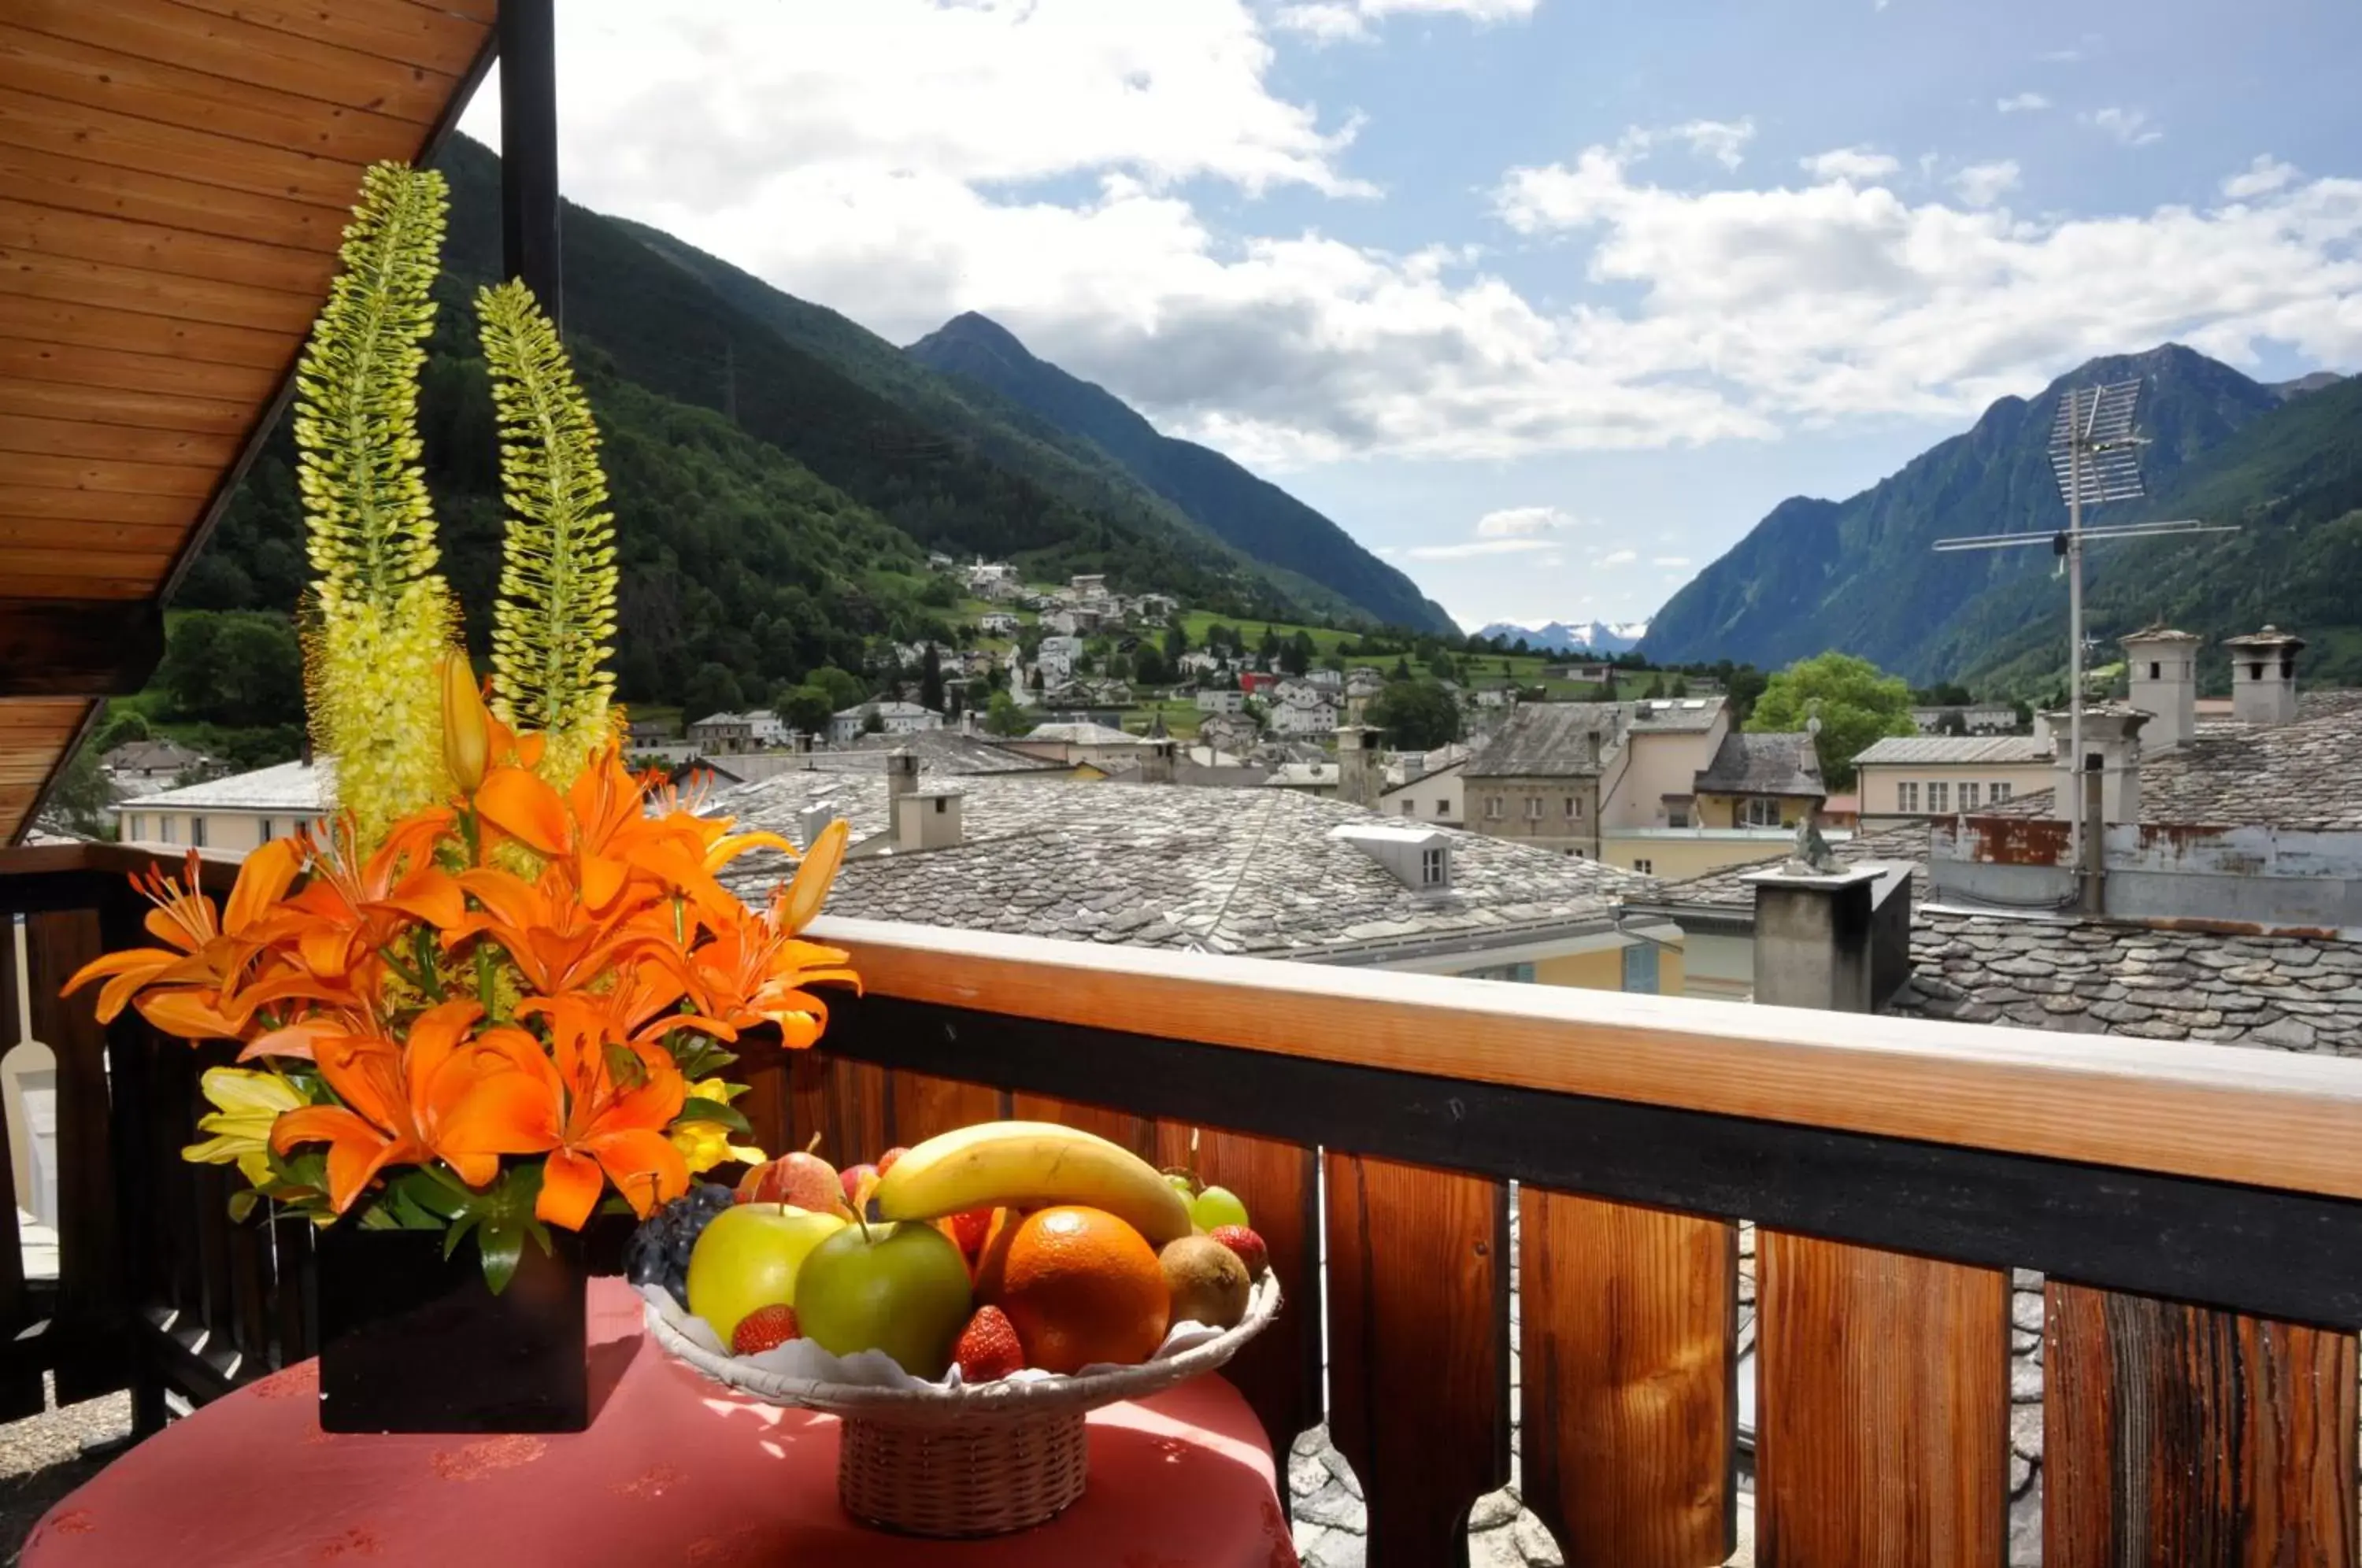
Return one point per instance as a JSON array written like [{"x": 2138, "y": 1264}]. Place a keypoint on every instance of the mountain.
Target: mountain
[
  {"x": 1862, "y": 574},
  {"x": 1251, "y": 513},
  {"x": 1586, "y": 637},
  {"x": 2315, "y": 383}
]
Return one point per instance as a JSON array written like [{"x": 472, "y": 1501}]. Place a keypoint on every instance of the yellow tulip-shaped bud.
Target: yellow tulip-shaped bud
[
  {"x": 467, "y": 726},
  {"x": 805, "y": 895}
]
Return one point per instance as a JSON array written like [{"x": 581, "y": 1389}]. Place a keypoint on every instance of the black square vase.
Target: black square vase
[{"x": 411, "y": 1342}]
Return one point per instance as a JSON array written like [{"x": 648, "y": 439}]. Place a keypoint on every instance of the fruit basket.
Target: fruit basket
[
  {"x": 960, "y": 1307},
  {"x": 945, "y": 1458}
]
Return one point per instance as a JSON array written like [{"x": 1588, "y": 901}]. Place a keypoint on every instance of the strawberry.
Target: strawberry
[
  {"x": 988, "y": 1347},
  {"x": 970, "y": 1229},
  {"x": 1247, "y": 1244},
  {"x": 763, "y": 1329}
]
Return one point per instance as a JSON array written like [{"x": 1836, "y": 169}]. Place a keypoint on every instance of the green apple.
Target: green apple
[
  {"x": 1216, "y": 1207},
  {"x": 902, "y": 1288},
  {"x": 748, "y": 1257},
  {"x": 1182, "y": 1183}
]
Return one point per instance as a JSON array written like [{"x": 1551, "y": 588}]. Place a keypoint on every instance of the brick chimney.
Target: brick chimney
[
  {"x": 1358, "y": 776},
  {"x": 2263, "y": 676},
  {"x": 2163, "y": 667}
]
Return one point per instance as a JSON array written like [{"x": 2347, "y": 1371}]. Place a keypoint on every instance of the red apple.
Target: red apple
[
  {"x": 804, "y": 1180},
  {"x": 885, "y": 1161},
  {"x": 851, "y": 1178}
]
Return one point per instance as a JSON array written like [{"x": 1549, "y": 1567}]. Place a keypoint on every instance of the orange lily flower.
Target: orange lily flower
[
  {"x": 558, "y": 942},
  {"x": 352, "y": 907},
  {"x": 397, "y": 1101},
  {"x": 753, "y": 971},
  {"x": 599, "y": 1124},
  {"x": 206, "y": 958}
]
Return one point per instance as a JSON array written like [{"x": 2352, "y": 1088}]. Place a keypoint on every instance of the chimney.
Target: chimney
[
  {"x": 811, "y": 822},
  {"x": 2263, "y": 676},
  {"x": 902, "y": 779},
  {"x": 1813, "y": 938},
  {"x": 2162, "y": 664},
  {"x": 1156, "y": 762},
  {"x": 1358, "y": 778},
  {"x": 927, "y": 819},
  {"x": 1591, "y": 747},
  {"x": 2111, "y": 750}
]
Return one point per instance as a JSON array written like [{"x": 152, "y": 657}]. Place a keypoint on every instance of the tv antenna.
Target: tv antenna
[{"x": 2096, "y": 458}]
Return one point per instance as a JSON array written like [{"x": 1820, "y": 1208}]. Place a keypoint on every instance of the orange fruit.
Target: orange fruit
[{"x": 1080, "y": 1285}]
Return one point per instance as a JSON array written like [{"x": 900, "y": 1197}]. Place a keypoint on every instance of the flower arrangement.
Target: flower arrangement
[{"x": 502, "y": 977}]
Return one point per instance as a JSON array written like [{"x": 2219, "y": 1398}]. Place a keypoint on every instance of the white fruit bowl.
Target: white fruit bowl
[
  {"x": 868, "y": 1383},
  {"x": 948, "y": 1458}
]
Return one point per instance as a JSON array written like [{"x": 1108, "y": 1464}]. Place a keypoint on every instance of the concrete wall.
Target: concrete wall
[
  {"x": 1676, "y": 855},
  {"x": 1719, "y": 968},
  {"x": 1661, "y": 765},
  {"x": 237, "y": 831},
  {"x": 1604, "y": 970},
  {"x": 1425, "y": 795},
  {"x": 2267, "y": 877},
  {"x": 1879, "y": 781},
  {"x": 1728, "y": 810}
]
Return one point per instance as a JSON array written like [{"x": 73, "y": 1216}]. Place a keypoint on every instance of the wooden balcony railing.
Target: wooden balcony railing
[{"x": 2196, "y": 1212}]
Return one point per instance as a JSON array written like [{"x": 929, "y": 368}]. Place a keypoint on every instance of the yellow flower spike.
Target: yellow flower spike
[
  {"x": 249, "y": 1102},
  {"x": 466, "y": 723}
]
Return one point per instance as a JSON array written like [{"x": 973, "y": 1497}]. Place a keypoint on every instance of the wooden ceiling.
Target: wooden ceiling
[{"x": 174, "y": 177}]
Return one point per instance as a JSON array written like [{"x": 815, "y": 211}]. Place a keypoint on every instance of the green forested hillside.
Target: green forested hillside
[{"x": 1861, "y": 575}]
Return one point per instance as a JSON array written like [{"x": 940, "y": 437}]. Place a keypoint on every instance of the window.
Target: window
[
  {"x": 131, "y": 828},
  {"x": 1677, "y": 816},
  {"x": 265, "y": 826},
  {"x": 1521, "y": 973},
  {"x": 1967, "y": 796},
  {"x": 1409, "y": 805},
  {"x": 1646, "y": 868},
  {"x": 1432, "y": 867},
  {"x": 1907, "y": 797},
  {"x": 1493, "y": 808},
  {"x": 164, "y": 830},
  {"x": 1997, "y": 793},
  {"x": 1573, "y": 809},
  {"x": 1939, "y": 795},
  {"x": 1442, "y": 807},
  {"x": 1533, "y": 808},
  {"x": 1762, "y": 812},
  {"x": 197, "y": 832},
  {"x": 1641, "y": 968},
  {"x": 2155, "y": 670}
]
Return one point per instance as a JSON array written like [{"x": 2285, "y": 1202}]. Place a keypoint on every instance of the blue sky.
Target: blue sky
[{"x": 1547, "y": 302}]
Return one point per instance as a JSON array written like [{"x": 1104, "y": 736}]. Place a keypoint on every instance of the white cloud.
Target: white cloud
[
  {"x": 1619, "y": 557},
  {"x": 1668, "y": 560},
  {"x": 2133, "y": 127},
  {"x": 1514, "y": 521},
  {"x": 1332, "y": 19},
  {"x": 1982, "y": 185},
  {"x": 2261, "y": 178},
  {"x": 1468, "y": 547},
  {"x": 2022, "y": 103},
  {"x": 1059, "y": 165},
  {"x": 1856, "y": 163}
]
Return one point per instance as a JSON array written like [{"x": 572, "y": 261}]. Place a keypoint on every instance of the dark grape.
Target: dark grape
[{"x": 658, "y": 1250}]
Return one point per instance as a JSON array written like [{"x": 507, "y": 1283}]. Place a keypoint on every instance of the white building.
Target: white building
[
  {"x": 996, "y": 580},
  {"x": 998, "y": 623},
  {"x": 1300, "y": 711},
  {"x": 1217, "y": 700},
  {"x": 1198, "y": 661},
  {"x": 1057, "y": 656},
  {"x": 897, "y": 718},
  {"x": 721, "y": 734}
]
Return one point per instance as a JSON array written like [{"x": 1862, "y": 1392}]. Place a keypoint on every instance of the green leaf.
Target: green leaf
[
  {"x": 504, "y": 1247},
  {"x": 714, "y": 1111},
  {"x": 241, "y": 1204}
]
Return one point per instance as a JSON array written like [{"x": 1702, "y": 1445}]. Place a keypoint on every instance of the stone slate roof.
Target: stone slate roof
[
  {"x": 1216, "y": 869},
  {"x": 1547, "y": 740},
  {"x": 2306, "y": 773},
  {"x": 1956, "y": 749},
  {"x": 1763, "y": 765},
  {"x": 1082, "y": 733},
  {"x": 297, "y": 788},
  {"x": 938, "y": 751},
  {"x": 2093, "y": 976},
  {"x": 1722, "y": 892}
]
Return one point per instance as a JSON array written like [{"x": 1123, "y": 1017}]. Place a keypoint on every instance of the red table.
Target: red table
[{"x": 675, "y": 1470}]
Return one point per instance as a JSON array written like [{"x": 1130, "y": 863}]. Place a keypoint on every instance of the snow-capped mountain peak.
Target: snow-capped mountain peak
[{"x": 1583, "y": 637}]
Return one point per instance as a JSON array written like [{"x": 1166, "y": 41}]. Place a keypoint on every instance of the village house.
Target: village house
[
  {"x": 1903, "y": 777},
  {"x": 1758, "y": 782},
  {"x": 239, "y": 812},
  {"x": 995, "y": 580},
  {"x": 997, "y": 624},
  {"x": 1233, "y": 734},
  {"x": 718, "y": 734},
  {"x": 1082, "y": 741},
  {"x": 1057, "y": 657},
  {"x": 1198, "y": 662},
  {"x": 894, "y": 718},
  {"x": 1975, "y": 719},
  {"x": 145, "y": 767},
  {"x": 1301, "y": 710},
  {"x": 1218, "y": 699},
  {"x": 1430, "y": 787}
]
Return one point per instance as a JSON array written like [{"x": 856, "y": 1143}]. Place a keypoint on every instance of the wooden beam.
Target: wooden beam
[
  {"x": 2267, "y": 1118},
  {"x": 70, "y": 647},
  {"x": 530, "y": 237}
]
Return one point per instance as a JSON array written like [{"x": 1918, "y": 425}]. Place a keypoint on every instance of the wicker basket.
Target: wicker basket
[{"x": 949, "y": 1463}]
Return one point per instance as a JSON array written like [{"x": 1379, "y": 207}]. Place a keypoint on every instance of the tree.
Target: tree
[
  {"x": 1953, "y": 722},
  {"x": 1417, "y": 715},
  {"x": 1402, "y": 667},
  {"x": 803, "y": 707},
  {"x": 81, "y": 795},
  {"x": 873, "y": 722},
  {"x": 930, "y": 680},
  {"x": 1177, "y": 643},
  {"x": 1745, "y": 684},
  {"x": 1856, "y": 703},
  {"x": 1004, "y": 717},
  {"x": 844, "y": 688},
  {"x": 236, "y": 667},
  {"x": 1149, "y": 668},
  {"x": 712, "y": 689},
  {"x": 1439, "y": 666},
  {"x": 1681, "y": 687},
  {"x": 120, "y": 727},
  {"x": 1297, "y": 656}
]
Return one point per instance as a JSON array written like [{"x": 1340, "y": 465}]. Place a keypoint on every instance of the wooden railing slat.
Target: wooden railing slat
[
  {"x": 924, "y": 1105},
  {"x": 1881, "y": 1408},
  {"x": 2179, "y": 1435},
  {"x": 1628, "y": 1322},
  {"x": 1279, "y": 1372},
  {"x": 1418, "y": 1363},
  {"x": 1138, "y": 1133}
]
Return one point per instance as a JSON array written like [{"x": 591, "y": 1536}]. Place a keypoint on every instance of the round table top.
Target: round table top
[{"x": 674, "y": 1470}]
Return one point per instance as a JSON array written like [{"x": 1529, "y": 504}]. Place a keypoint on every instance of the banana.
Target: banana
[{"x": 1030, "y": 1165}]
